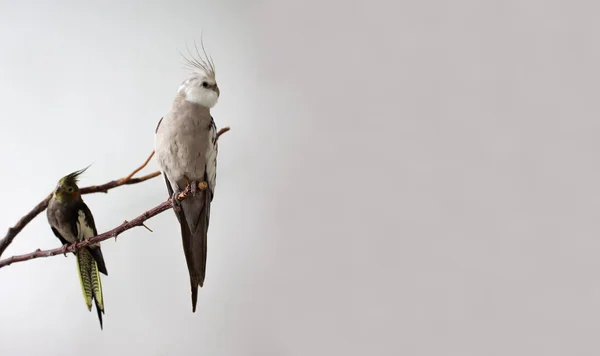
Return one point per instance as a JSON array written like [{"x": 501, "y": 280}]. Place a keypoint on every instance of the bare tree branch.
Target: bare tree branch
[
  {"x": 13, "y": 231},
  {"x": 123, "y": 180},
  {"x": 104, "y": 188},
  {"x": 138, "y": 221}
]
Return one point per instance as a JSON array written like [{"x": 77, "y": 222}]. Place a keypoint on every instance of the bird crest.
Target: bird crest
[
  {"x": 72, "y": 178},
  {"x": 198, "y": 63}
]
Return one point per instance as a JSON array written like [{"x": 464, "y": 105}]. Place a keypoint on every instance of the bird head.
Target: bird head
[
  {"x": 67, "y": 189},
  {"x": 201, "y": 86}
]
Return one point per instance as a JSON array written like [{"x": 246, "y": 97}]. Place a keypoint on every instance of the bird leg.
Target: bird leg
[
  {"x": 189, "y": 184},
  {"x": 194, "y": 187},
  {"x": 175, "y": 201},
  {"x": 65, "y": 250}
]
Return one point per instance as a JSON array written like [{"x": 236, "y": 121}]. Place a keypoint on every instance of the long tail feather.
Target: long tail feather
[
  {"x": 97, "y": 291},
  {"x": 97, "y": 255},
  {"x": 194, "y": 238},
  {"x": 194, "y": 244},
  {"x": 85, "y": 278},
  {"x": 91, "y": 285}
]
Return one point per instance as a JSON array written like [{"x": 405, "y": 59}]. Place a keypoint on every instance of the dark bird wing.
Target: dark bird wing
[{"x": 85, "y": 222}]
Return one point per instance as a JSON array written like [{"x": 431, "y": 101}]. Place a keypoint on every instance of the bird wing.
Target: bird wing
[
  {"x": 84, "y": 228},
  {"x": 211, "y": 160},
  {"x": 157, "y": 125}
]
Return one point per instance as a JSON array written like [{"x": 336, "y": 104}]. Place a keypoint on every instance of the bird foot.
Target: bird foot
[
  {"x": 65, "y": 250},
  {"x": 193, "y": 187},
  {"x": 197, "y": 186},
  {"x": 176, "y": 203}
]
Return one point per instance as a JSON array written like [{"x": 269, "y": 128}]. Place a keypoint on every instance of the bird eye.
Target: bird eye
[
  {"x": 70, "y": 190},
  {"x": 205, "y": 84}
]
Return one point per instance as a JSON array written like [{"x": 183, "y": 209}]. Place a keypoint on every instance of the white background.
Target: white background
[{"x": 416, "y": 178}]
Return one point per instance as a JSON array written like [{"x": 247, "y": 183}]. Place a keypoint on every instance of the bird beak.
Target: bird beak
[{"x": 217, "y": 90}]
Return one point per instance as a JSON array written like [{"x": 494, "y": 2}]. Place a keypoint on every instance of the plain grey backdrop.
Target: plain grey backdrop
[{"x": 401, "y": 178}]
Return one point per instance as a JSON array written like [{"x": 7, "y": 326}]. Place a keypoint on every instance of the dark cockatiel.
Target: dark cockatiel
[
  {"x": 71, "y": 220},
  {"x": 186, "y": 149}
]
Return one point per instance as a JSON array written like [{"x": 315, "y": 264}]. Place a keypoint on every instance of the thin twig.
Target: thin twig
[
  {"x": 222, "y": 131},
  {"x": 138, "y": 221},
  {"x": 104, "y": 188},
  {"x": 147, "y": 228},
  {"x": 123, "y": 180}
]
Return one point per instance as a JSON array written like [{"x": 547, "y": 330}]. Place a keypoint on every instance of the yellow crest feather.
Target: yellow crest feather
[{"x": 73, "y": 178}]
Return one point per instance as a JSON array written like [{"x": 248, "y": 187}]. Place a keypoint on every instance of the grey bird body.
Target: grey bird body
[
  {"x": 186, "y": 151},
  {"x": 186, "y": 144}
]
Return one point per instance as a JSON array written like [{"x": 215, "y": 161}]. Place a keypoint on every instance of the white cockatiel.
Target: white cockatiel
[{"x": 186, "y": 150}]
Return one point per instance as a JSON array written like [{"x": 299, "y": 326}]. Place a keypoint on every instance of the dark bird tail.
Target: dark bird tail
[
  {"x": 97, "y": 254},
  {"x": 194, "y": 218},
  {"x": 195, "y": 241},
  {"x": 97, "y": 291},
  {"x": 99, "y": 311}
]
